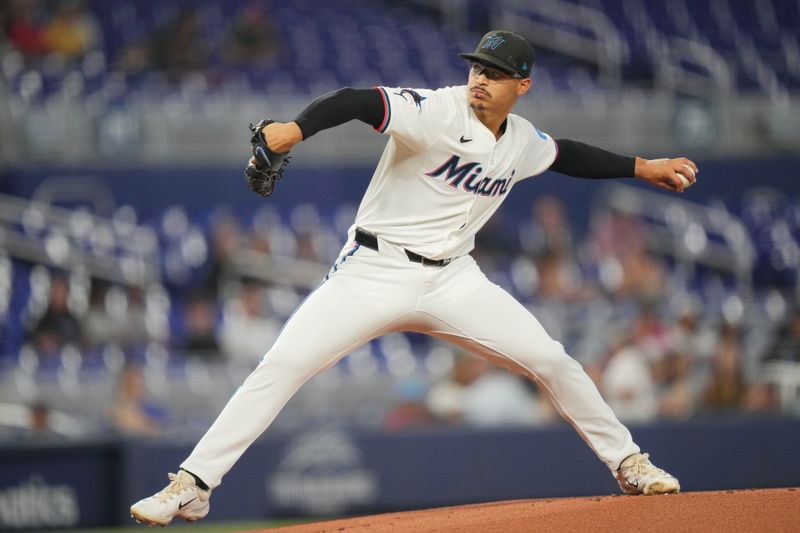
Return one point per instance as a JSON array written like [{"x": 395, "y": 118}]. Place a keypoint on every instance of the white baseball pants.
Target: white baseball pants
[{"x": 371, "y": 293}]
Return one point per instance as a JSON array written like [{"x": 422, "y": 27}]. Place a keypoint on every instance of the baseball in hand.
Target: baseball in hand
[{"x": 682, "y": 175}]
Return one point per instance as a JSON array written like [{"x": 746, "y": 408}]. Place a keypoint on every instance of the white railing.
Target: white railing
[
  {"x": 691, "y": 233},
  {"x": 576, "y": 31},
  {"x": 278, "y": 269},
  {"x": 40, "y": 232},
  {"x": 709, "y": 71}
]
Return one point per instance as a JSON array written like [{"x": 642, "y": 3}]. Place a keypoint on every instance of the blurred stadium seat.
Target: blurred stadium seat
[{"x": 386, "y": 42}]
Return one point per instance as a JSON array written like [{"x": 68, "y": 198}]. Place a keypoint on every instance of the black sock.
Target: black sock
[{"x": 197, "y": 480}]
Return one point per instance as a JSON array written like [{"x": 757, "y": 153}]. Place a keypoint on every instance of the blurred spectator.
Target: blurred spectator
[
  {"x": 305, "y": 224},
  {"x": 762, "y": 398},
  {"x": 688, "y": 335},
  {"x": 200, "y": 336},
  {"x": 548, "y": 238},
  {"x": 500, "y": 398},
  {"x": 650, "y": 333},
  {"x": 72, "y": 31},
  {"x": 675, "y": 378},
  {"x": 628, "y": 385},
  {"x": 34, "y": 422},
  {"x": 495, "y": 243},
  {"x": 98, "y": 326},
  {"x": 226, "y": 238},
  {"x": 559, "y": 276},
  {"x": 626, "y": 267},
  {"x": 179, "y": 47},
  {"x": 616, "y": 234},
  {"x": 446, "y": 398},
  {"x": 306, "y": 247},
  {"x": 410, "y": 410},
  {"x": 548, "y": 231},
  {"x": 115, "y": 316},
  {"x": 40, "y": 425},
  {"x": 135, "y": 58},
  {"x": 643, "y": 275},
  {"x": 58, "y": 326},
  {"x": 246, "y": 333},
  {"x": 479, "y": 394},
  {"x": 133, "y": 413},
  {"x": 25, "y": 27},
  {"x": 787, "y": 342},
  {"x": 254, "y": 39},
  {"x": 727, "y": 388},
  {"x": 133, "y": 312}
]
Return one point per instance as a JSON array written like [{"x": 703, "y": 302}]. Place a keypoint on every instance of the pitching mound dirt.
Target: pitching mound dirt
[{"x": 773, "y": 510}]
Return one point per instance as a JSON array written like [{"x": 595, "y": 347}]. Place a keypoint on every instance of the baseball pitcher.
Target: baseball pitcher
[{"x": 453, "y": 156}]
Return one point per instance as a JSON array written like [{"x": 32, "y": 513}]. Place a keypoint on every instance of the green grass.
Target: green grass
[{"x": 200, "y": 527}]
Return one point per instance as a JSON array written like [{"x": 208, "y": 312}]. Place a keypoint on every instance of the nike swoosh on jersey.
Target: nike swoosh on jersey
[
  {"x": 184, "y": 504},
  {"x": 463, "y": 140}
]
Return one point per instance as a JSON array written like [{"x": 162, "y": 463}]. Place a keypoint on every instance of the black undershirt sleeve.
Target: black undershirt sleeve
[
  {"x": 341, "y": 106},
  {"x": 581, "y": 160}
]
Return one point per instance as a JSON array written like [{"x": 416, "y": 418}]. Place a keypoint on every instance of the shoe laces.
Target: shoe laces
[
  {"x": 178, "y": 484},
  {"x": 642, "y": 467}
]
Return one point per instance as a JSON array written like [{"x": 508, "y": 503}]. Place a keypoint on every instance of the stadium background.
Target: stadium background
[{"x": 140, "y": 280}]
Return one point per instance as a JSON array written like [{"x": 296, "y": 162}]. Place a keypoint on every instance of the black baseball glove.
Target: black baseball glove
[{"x": 269, "y": 165}]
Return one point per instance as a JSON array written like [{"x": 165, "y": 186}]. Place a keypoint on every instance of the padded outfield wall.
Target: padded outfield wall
[{"x": 339, "y": 472}]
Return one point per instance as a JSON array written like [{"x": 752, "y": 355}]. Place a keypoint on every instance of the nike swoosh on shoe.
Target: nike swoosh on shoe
[{"x": 184, "y": 504}]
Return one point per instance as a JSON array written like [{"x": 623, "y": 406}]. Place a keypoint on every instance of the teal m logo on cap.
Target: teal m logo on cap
[{"x": 493, "y": 42}]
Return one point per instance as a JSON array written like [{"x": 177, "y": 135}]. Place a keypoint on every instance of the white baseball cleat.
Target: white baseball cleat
[
  {"x": 182, "y": 498},
  {"x": 637, "y": 475}
]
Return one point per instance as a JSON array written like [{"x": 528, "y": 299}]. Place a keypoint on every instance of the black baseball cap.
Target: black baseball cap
[{"x": 506, "y": 51}]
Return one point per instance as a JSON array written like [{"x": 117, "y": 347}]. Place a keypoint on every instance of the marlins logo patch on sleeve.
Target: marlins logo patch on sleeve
[{"x": 412, "y": 96}]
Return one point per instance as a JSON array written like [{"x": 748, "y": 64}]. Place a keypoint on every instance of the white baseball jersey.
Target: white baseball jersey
[{"x": 443, "y": 173}]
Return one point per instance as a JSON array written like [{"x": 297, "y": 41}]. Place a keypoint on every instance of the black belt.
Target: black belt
[{"x": 371, "y": 241}]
